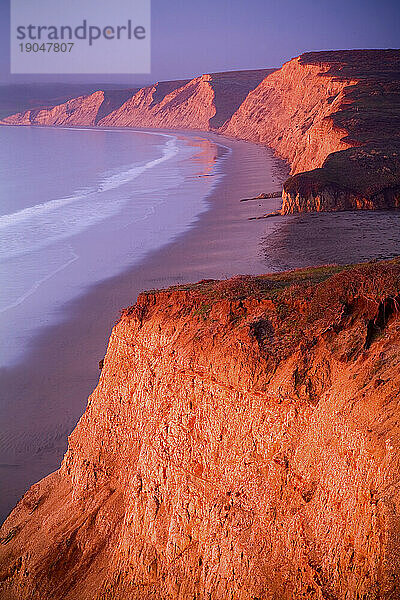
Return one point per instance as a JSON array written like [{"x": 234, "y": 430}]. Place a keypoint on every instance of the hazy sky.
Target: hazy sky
[{"x": 190, "y": 37}]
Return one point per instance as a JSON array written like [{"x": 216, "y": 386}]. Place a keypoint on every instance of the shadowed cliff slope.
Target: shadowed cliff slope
[
  {"x": 363, "y": 177},
  {"x": 243, "y": 442}
]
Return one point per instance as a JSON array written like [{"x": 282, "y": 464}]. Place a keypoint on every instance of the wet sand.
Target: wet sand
[
  {"x": 42, "y": 397},
  {"x": 333, "y": 238}
]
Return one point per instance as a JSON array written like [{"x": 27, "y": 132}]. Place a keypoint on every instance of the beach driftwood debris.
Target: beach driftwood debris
[
  {"x": 263, "y": 196},
  {"x": 276, "y": 213}
]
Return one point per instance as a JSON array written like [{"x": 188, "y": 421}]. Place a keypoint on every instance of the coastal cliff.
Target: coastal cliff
[
  {"x": 205, "y": 102},
  {"x": 316, "y": 108},
  {"x": 291, "y": 111},
  {"x": 80, "y": 111},
  {"x": 312, "y": 111},
  {"x": 242, "y": 442}
]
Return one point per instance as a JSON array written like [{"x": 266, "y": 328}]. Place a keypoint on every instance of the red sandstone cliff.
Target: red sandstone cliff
[
  {"x": 205, "y": 102},
  {"x": 243, "y": 442},
  {"x": 84, "y": 110},
  {"x": 311, "y": 112},
  {"x": 291, "y": 111}
]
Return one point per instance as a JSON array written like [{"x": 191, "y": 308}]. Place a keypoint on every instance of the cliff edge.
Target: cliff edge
[{"x": 243, "y": 442}]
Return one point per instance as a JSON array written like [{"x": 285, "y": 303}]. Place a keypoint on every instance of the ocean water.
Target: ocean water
[{"x": 80, "y": 205}]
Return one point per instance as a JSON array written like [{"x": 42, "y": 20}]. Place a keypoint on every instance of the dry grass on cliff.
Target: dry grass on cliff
[
  {"x": 283, "y": 312},
  {"x": 258, "y": 286},
  {"x": 341, "y": 282}
]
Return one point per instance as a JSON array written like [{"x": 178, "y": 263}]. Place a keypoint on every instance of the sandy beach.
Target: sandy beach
[
  {"x": 333, "y": 238},
  {"x": 43, "y": 397}
]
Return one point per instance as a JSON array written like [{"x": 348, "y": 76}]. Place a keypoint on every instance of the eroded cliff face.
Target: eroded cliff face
[
  {"x": 243, "y": 442},
  {"x": 188, "y": 106},
  {"x": 291, "y": 111},
  {"x": 205, "y": 102},
  {"x": 83, "y": 111}
]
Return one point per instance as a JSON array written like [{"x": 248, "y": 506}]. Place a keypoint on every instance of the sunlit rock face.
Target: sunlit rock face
[
  {"x": 205, "y": 102},
  {"x": 78, "y": 111},
  {"x": 242, "y": 442},
  {"x": 291, "y": 111},
  {"x": 313, "y": 110}
]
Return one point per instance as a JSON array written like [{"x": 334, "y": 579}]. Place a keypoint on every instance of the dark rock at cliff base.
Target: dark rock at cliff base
[
  {"x": 265, "y": 196},
  {"x": 365, "y": 177}
]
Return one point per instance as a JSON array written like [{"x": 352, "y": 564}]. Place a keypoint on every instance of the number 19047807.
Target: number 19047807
[{"x": 46, "y": 47}]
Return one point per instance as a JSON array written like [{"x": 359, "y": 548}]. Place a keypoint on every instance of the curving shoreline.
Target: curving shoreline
[
  {"x": 333, "y": 115},
  {"x": 243, "y": 438},
  {"x": 117, "y": 198}
]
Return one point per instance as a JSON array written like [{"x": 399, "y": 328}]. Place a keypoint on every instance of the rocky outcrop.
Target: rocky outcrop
[
  {"x": 366, "y": 177},
  {"x": 243, "y": 442}
]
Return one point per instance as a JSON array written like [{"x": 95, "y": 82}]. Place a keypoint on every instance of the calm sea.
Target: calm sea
[{"x": 79, "y": 205}]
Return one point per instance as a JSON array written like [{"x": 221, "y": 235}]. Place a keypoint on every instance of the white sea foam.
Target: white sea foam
[
  {"x": 120, "y": 210},
  {"x": 38, "y": 226}
]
